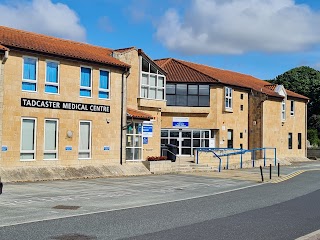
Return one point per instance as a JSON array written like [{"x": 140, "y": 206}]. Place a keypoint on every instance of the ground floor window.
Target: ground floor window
[
  {"x": 134, "y": 141},
  {"x": 230, "y": 138},
  {"x": 85, "y": 140},
  {"x": 187, "y": 140},
  {"x": 299, "y": 140},
  {"x": 28, "y": 138},
  {"x": 290, "y": 140},
  {"x": 50, "y": 139}
]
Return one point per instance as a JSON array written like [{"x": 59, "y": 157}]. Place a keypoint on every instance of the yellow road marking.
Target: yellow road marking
[{"x": 289, "y": 176}]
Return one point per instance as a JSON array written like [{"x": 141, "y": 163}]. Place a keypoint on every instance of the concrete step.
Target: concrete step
[{"x": 192, "y": 167}]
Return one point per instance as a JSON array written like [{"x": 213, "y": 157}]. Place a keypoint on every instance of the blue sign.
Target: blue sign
[
  {"x": 147, "y": 129},
  {"x": 106, "y": 148},
  {"x": 180, "y": 122},
  {"x": 4, "y": 148},
  {"x": 68, "y": 148},
  {"x": 145, "y": 140}
]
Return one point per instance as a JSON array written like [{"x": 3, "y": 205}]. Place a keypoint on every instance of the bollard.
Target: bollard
[
  {"x": 261, "y": 173},
  {"x": 278, "y": 169},
  {"x": 270, "y": 170},
  {"x": 1, "y": 186}
]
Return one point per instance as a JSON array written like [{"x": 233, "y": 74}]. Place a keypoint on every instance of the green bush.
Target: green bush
[{"x": 313, "y": 137}]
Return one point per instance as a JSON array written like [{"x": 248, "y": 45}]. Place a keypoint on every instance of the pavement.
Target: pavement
[{"x": 253, "y": 174}]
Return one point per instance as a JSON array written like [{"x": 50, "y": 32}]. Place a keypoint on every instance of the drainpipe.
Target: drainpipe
[
  {"x": 123, "y": 110},
  {"x": 5, "y": 57}
]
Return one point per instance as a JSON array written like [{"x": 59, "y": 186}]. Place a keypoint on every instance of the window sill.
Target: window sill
[
  {"x": 230, "y": 110},
  {"x": 27, "y": 160}
]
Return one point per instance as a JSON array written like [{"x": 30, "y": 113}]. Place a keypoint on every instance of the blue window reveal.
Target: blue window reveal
[
  {"x": 85, "y": 82},
  {"x": 52, "y": 82},
  {"x": 104, "y": 85},
  {"x": 29, "y": 82}
]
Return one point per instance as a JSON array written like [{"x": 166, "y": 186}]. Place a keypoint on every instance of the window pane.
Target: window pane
[
  {"x": 164, "y": 133},
  {"x": 85, "y": 77},
  {"x": 85, "y": 93},
  {"x": 144, "y": 79},
  {"x": 137, "y": 153},
  {"x": 171, "y": 100},
  {"x": 104, "y": 79},
  {"x": 138, "y": 141},
  {"x": 29, "y": 69},
  {"x": 181, "y": 101},
  {"x": 52, "y": 72},
  {"x": 153, "y": 69},
  {"x": 186, "y": 143},
  {"x": 28, "y": 134},
  {"x": 181, "y": 89},
  {"x": 104, "y": 95},
  {"x": 186, "y": 151},
  {"x": 204, "y": 101},
  {"x": 160, "y": 93},
  {"x": 84, "y": 155},
  {"x": 50, "y": 135},
  {"x": 193, "y": 101},
  {"x": 152, "y": 81},
  {"x": 84, "y": 136},
  {"x": 145, "y": 65},
  {"x": 174, "y": 133},
  {"x": 51, "y": 89},
  {"x": 196, "y": 134},
  {"x": 160, "y": 81},
  {"x": 129, "y": 141},
  {"x": 192, "y": 89},
  {"x": 196, "y": 142},
  {"x": 28, "y": 86},
  {"x": 204, "y": 90},
  {"x": 50, "y": 156},
  {"x": 144, "y": 92},
  {"x": 171, "y": 89},
  {"x": 152, "y": 93},
  {"x": 26, "y": 156}
]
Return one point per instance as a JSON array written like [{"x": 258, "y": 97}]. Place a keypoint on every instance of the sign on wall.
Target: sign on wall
[
  {"x": 145, "y": 140},
  {"x": 106, "y": 148},
  {"x": 147, "y": 129},
  {"x": 180, "y": 122},
  {"x": 38, "y": 103}
]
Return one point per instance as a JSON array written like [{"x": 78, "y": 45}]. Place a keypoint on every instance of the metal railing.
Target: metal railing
[{"x": 227, "y": 152}]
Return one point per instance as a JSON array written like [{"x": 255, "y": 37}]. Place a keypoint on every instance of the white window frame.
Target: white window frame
[
  {"x": 86, "y": 88},
  {"x": 90, "y": 141},
  {"x": 28, "y": 80},
  {"x": 292, "y": 108},
  {"x": 134, "y": 135},
  {"x": 52, "y": 83},
  {"x": 57, "y": 139},
  {"x": 102, "y": 89},
  {"x": 283, "y": 110},
  {"x": 228, "y": 97},
  {"x": 34, "y": 151},
  {"x": 156, "y": 87}
]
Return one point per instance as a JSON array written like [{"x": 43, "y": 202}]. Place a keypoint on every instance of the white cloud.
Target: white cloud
[
  {"x": 239, "y": 26},
  {"x": 43, "y": 16}
]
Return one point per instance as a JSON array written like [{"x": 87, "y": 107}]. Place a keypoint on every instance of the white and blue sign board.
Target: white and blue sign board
[
  {"x": 180, "y": 122},
  {"x": 106, "y": 148},
  {"x": 147, "y": 129},
  {"x": 4, "y": 148},
  {"x": 68, "y": 148},
  {"x": 145, "y": 140}
]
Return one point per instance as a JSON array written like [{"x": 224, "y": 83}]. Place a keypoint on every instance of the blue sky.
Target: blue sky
[{"x": 263, "y": 38}]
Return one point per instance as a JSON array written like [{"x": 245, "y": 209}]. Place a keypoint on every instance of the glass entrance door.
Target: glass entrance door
[{"x": 186, "y": 139}]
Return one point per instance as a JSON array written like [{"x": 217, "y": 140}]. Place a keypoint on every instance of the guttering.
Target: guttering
[
  {"x": 123, "y": 127},
  {"x": 5, "y": 57}
]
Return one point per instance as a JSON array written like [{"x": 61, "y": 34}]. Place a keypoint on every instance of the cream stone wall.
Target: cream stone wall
[
  {"x": 276, "y": 132},
  {"x": 103, "y": 133},
  {"x": 152, "y": 107},
  {"x": 215, "y": 117}
]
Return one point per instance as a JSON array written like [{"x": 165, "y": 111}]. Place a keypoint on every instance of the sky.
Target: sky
[{"x": 262, "y": 38}]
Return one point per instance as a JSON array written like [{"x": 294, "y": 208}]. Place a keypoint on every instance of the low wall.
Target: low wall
[
  {"x": 313, "y": 153},
  {"x": 63, "y": 173},
  {"x": 161, "y": 166}
]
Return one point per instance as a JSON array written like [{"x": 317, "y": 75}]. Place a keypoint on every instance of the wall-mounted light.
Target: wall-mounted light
[{"x": 69, "y": 134}]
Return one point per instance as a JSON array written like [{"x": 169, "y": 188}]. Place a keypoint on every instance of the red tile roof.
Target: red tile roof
[
  {"x": 182, "y": 71},
  {"x": 13, "y": 38},
  {"x": 3, "y": 48},
  {"x": 138, "y": 114}
]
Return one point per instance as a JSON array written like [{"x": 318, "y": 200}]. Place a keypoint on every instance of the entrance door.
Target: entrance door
[{"x": 186, "y": 139}]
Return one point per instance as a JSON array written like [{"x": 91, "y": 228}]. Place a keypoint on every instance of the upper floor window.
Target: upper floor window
[
  {"x": 291, "y": 108},
  {"x": 228, "y": 97},
  {"x": 85, "y": 82},
  {"x": 104, "y": 85},
  {"x": 29, "y": 81},
  {"x": 283, "y": 110},
  {"x": 191, "y": 95},
  {"x": 52, "y": 77},
  {"x": 152, "y": 82}
]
